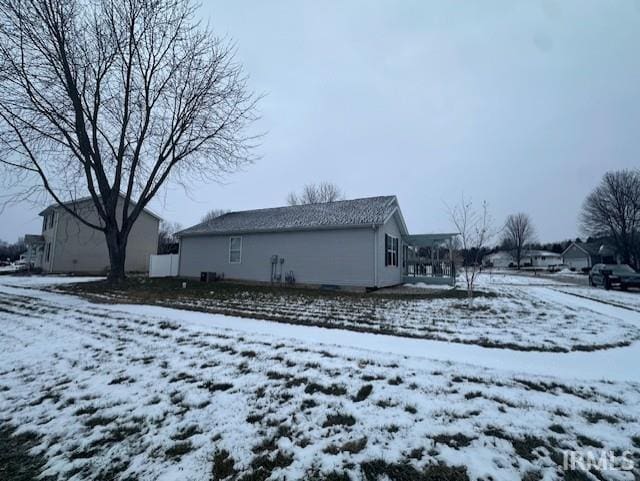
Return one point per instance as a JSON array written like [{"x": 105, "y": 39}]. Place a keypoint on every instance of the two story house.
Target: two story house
[{"x": 66, "y": 245}]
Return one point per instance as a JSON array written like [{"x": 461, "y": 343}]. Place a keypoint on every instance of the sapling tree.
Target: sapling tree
[{"x": 475, "y": 231}]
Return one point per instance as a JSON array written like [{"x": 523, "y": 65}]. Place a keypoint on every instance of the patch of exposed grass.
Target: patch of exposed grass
[
  {"x": 587, "y": 441},
  {"x": 178, "y": 450},
  {"x": 411, "y": 409},
  {"x": 223, "y": 465},
  {"x": 352, "y": 447},
  {"x": 86, "y": 410},
  {"x": 215, "y": 386},
  {"x": 186, "y": 433},
  {"x": 99, "y": 421},
  {"x": 557, "y": 428},
  {"x": 308, "y": 404},
  {"x": 380, "y": 469},
  {"x": 455, "y": 441},
  {"x": 121, "y": 380},
  {"x": 527, "y": 446},
  {"x": 363, "y": 393},
  {"x": 595, "y": 417},
  {"x": 16, "y": 461},
  {"x": 332, "y": 390},
  {"x": 339, "y": 419},
  {"x": 472, "y": 395}
]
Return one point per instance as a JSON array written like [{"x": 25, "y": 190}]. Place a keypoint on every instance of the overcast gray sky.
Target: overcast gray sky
[{"x": 522, "y": 104}]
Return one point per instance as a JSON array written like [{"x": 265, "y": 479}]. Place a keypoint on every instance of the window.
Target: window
[
  {"x": 235, "y": 250},
  {"x": 51, "y": 219},
  {"x": 44, "y": 223},
  {"x": 390, "y": 250},
  {"x": 47, "y": 251}
]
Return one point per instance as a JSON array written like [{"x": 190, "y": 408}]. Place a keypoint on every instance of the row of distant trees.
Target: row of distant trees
[{"x": 11, "y": 250}]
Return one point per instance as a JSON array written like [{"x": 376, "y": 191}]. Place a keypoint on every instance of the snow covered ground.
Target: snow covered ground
[
  {"x": 512, "y": 314},
  {"x": 153, "y": 393}
]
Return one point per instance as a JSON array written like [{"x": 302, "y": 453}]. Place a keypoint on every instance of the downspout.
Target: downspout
[
  {"x": 179, "y": 255},
  {"x": 375, "y": 255}
]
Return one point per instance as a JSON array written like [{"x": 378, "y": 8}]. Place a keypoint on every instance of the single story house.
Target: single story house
[
  {"x": 359, "y": 242},
  {"x": 583, "y": 255},
  {"x": 66, "y": 245},
  {"x": 528, "y": 258},
  {"x": 538, "y": 258}
]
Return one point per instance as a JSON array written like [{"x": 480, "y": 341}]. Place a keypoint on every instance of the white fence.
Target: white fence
[{"x": 163, "y": 266}]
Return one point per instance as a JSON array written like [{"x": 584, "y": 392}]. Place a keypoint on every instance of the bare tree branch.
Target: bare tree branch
[
  {"x": 613, "y": 210},
  {"x": 316, "y": 194}
]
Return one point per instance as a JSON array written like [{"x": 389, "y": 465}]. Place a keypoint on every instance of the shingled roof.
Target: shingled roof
[{"x": 344, "y": 213}]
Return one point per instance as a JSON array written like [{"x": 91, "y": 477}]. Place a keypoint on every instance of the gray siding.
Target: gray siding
[
  {"x": 389, "y": 275},
  {"x": 78, "y": 248},
  {"x": 337, "y": 256},
  {"x": 574, "y": 252}
]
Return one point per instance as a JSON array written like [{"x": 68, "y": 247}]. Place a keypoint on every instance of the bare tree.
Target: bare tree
[
  {"x": 475, "y": 230},
  {"x": 113, "y": 99},
  {"x": 316, "y": 194},
  {"x": 167, "y": 240},
  {"x": 517, "y": 233},
  {"x": 613, "y": 210},
  {"x": 213, "y": 214}
]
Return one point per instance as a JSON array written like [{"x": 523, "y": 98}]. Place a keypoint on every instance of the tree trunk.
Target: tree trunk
[{"x": 117, "y": 255}]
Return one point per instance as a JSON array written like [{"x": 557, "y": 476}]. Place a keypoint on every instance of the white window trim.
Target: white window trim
[{"x": 239, "y": 261}]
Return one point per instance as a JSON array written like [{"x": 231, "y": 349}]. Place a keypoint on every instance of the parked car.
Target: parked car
[{"x": 614, "y": 275}]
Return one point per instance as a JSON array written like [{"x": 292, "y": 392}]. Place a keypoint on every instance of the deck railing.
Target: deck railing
[{"x": 429, "y": 268}]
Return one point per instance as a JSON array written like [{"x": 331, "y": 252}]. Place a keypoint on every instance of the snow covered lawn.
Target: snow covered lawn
[
  {"x": 519, "y": 317},
  {"x": 103, "y": 392}
]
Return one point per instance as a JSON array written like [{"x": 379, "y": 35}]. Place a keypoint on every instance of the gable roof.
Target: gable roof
[
  {"x": 80, "y": 200},
  {"x": 340, "y": 214},
  {"x": 592, "y": 248}
]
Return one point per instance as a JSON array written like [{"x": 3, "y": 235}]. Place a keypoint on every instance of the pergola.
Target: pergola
[{"x": 428, "y": 258}]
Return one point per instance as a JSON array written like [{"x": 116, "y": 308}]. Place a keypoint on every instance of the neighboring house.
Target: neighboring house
[
  {"x": 360, "y": 242},
  {"x": 537, "y": 258},
  {"x": 584, "y": 255},
  {"x": 528, "y": 258},
  {"x": 69, "y": 246},
  {"x": 35, "y": 251},
  {"x": 500, "y": 259}
]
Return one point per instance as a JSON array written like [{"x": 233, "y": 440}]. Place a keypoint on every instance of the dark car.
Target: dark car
[{"x": 614, "y": 275}]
